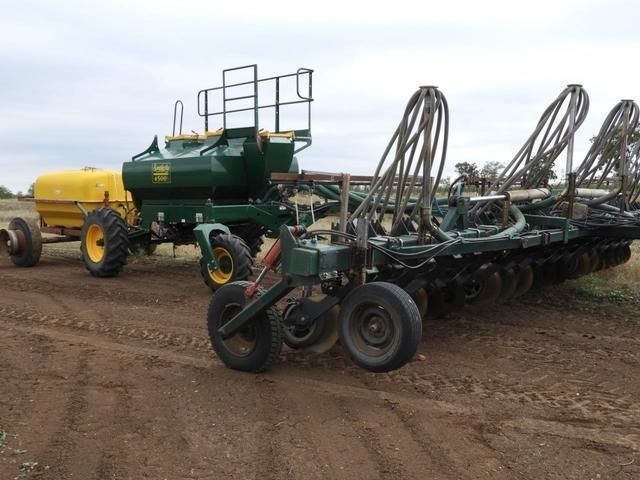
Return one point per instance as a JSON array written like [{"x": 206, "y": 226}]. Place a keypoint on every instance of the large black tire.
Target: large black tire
[
  {"x": 257, "y": 345},
  {"x": 255, "y": 246},
  {"x": 29, "y": 242},
  {"x": 104, "y": 242},
  {"x": 234, "y": 259},
  {"x": 379, "y": 326},
  {"x": 252, "y": 235}
]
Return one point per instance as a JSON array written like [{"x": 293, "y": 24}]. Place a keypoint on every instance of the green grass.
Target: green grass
[{"x": 596, "y": 287}]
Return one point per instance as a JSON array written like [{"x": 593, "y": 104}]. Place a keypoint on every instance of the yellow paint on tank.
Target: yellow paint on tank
[{"x": 56, "y": 194}]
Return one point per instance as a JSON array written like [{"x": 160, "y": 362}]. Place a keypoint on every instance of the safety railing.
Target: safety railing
[{"x": 230, "y": 97}]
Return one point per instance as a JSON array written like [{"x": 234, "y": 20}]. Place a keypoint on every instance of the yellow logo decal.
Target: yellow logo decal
[{"x": 161, "y": 172}]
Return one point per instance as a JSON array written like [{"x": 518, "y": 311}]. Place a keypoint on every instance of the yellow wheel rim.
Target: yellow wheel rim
[
  {"x": 94, "y": 242},
  {"x": 224, "y": 272}
]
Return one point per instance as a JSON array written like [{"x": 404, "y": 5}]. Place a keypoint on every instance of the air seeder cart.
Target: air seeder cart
[{"x": 213, "y": 189}]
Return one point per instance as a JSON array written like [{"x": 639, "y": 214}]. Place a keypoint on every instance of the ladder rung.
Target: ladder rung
[{"x": 239, "y": 98}]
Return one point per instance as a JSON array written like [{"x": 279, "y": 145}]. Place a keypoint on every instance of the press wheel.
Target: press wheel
[
  {"x": 255, "y": 346},
  {"x": 379, "y": 326}
]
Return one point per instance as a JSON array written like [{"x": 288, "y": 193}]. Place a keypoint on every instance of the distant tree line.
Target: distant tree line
[
  {"x": 6, "y": 193},
  {"x": 489, "y": 170}
]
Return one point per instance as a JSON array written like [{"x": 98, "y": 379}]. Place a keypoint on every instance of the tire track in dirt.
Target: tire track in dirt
[
  {"x": 535, "y": 363},
  {"x": 428, "y": 431},
  {"x": 407, "y": 455},
  {"x": 392, "y": 443},
  {"x": 602, "y": 404},
  {"x": 99, "y": 342},
  {"x": 331, "y": 444},
  {"x": 541, "y": 342},
  {"x": 269, "y": 462},
  {"x": 387, "y": 466},
  {"x": 63, "y": 445},
  {"x": 487, "y": 329},
  {"x": 361, "y": 406},
  {"x": 113, "y": 454},
  {"x": 163, "y": 338},
  {"x": 564, "y": 429},
  {"x": 295, "y": 381},
  {"x": 284, "y": 443},
  {"x": 107, "y": 291},
  {"x": 578, "y": 391},
  {"x": 596, "y": 403},
  {"x": 291, "y": 445}
]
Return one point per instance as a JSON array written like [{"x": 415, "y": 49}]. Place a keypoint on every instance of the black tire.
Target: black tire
[
  {"x": 29, "y": 242},
  {"x": 255, "y": 245},
  {"x": 234, "y": 259},
  {"x": 297, "y": 336},
  {"x": 255, "y": 347},
  {"x": 395, "y": 314},
  {"x": 483, "y": 291},
  {"x": 252, "y": 234},
  {"x": 104, "y": 242}
]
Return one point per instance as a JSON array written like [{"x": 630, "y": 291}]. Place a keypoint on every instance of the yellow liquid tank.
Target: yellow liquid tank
[{"x": 56, "y": 194}]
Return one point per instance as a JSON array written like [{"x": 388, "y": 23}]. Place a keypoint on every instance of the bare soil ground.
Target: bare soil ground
[{"x": 115, "y": 379}]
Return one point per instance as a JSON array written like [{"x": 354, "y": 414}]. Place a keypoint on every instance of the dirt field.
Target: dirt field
[{"x": 115, "y": 379}]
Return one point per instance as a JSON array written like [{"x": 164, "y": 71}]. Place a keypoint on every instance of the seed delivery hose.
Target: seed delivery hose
[
  {"x": 533, "y": 163},
  {"x": 417, "y": 148}
]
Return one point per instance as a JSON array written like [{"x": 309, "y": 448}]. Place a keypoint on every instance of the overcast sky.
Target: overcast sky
[{"x": 90, "y": 83}]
